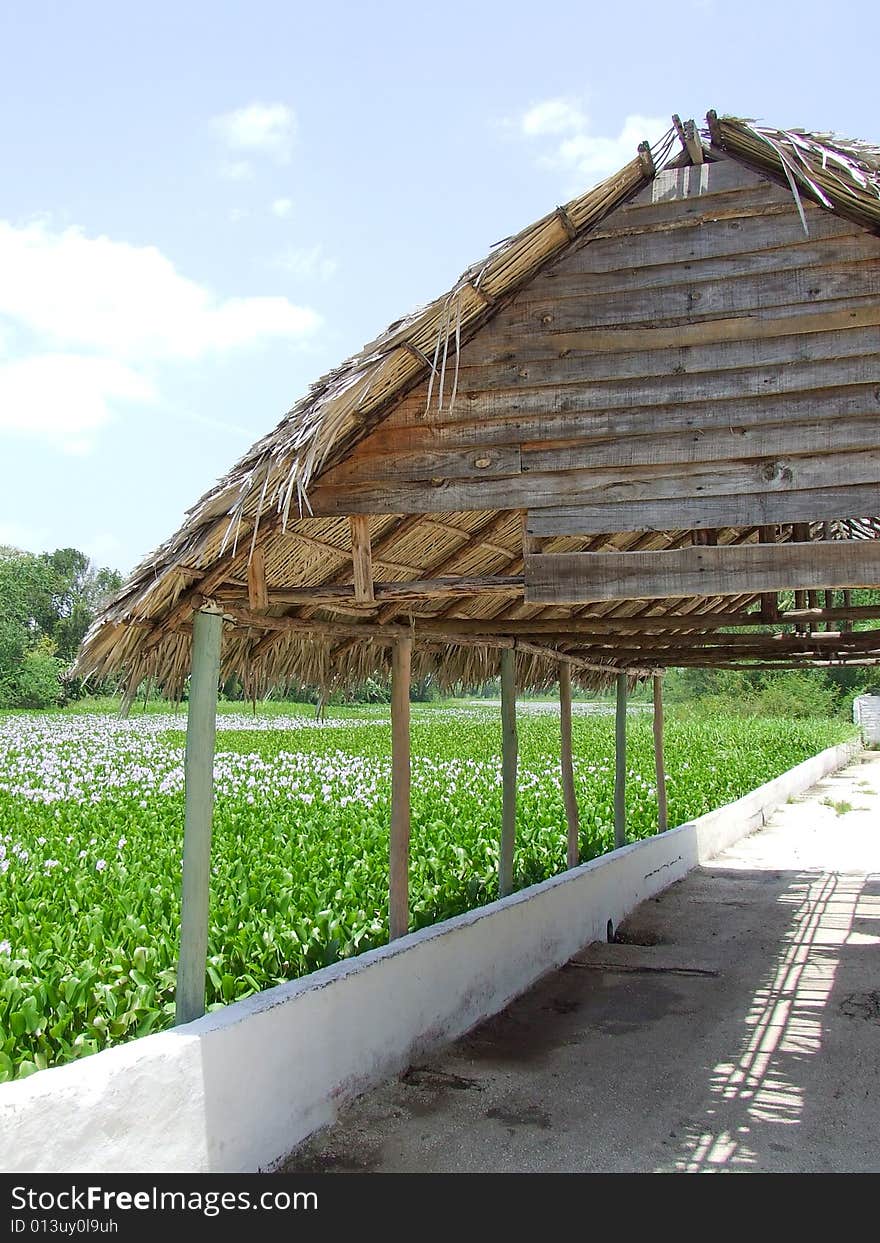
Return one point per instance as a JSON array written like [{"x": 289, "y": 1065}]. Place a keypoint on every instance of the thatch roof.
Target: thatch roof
[{"x": 263, "y": 501}]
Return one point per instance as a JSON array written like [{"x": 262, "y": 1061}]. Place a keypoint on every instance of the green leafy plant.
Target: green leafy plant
[{"x": 91, "y": 828}]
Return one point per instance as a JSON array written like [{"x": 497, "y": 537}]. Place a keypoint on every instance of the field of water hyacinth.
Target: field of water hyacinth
[{"x": 91, "y": 815}]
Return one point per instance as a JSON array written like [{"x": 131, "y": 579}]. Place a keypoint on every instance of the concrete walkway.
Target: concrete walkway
[{"x": 735, "y": 1025}]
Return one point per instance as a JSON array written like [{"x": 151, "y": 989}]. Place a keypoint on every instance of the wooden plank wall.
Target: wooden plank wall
[
  {"x": 561, "y": 578},
  {"x": 697, "y": 361}
]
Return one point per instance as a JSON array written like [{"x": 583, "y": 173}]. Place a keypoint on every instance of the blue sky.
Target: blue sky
[{"x": 205, "y": 207}]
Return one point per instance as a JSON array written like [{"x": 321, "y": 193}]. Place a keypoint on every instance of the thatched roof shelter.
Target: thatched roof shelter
[{"x": 611, "y": 443}]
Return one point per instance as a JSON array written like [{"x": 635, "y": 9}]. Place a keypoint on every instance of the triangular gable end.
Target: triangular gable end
[{"x": 695, "y": 361}]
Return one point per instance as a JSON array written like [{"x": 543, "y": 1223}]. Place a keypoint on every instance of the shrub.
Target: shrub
[
  {"x": 35, "y": 682},
  {"x": 795, "y": 694}
]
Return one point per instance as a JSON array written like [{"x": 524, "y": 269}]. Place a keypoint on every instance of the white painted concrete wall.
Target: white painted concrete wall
[
  {"x": 239, "y": 1089},
  {"x": 866, "y": 714}
]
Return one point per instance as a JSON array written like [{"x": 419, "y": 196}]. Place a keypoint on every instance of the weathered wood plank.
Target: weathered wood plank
[
  {"x": 766, "y": 326},
  {"x": 761, "y": 325},
  {"x": 362, "y": 558},
  {"x": 697, "y": 236},
  {"x": 718, "y": 445},
  {"x": 829, "y": 434},
  {"x": 502, "y": 349},
  {"x": 840, "y": 403},
  {"x": 737, "y": 295},
  {"x": 651, "y": 642},
  {"x": 258, "y": 592},
  {"x": 661, "y": 624},
  {"x": 740, "y": 510},
  {"x": 572, "y": 392},
  {"x": 793, "y": 645},
  {"x": 576, "y": 367},
  {"x": 398, "y": 885},
  {"x": 746, "y": 204},
  {"x": 809, "y": 256},
  {"x": 674, "y": 184},
  {"x": 424, "y": 463},
  {"x": 570, "y": 578},
  {"x": 537, "y": 489}
]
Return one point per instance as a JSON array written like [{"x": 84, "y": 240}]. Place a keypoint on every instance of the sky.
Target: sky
[{"x": 206, "y": 207}]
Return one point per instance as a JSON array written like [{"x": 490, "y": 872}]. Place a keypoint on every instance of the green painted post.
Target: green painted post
[
  {"x": 568, "y": 791},
  {"x": 401, "y": 777},
  {"x": 620, "y": 764},
  {"x": 508, "y": 771},
  {"x": 659, "y": 764},
  {"x": 201, "y": 728}
]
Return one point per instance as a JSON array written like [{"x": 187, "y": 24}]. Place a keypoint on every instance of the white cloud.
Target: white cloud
[
  {"x": 127, "y": 301},
  {"x": 553, "y": 116},
  {"x": 307, "y": 262},
  {"x": 282, "y": 208},
  {"x": 64, "y": 399},
  {"x": 597, "y": 156},
  {"x": 574, "y": 147},
  {"x": 92, "y": 319},
  {"x": 262, "y": 129}
]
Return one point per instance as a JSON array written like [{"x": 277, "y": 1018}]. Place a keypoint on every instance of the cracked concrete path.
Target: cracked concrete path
[{"x": 735, "y": 1025}]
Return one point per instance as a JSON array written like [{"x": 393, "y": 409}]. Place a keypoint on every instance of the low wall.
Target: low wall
[
  {"x": 866, "y": 714},
  {"x": 238, "y": 1089}
]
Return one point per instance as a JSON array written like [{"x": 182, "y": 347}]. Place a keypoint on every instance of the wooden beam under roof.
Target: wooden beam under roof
[{"x": 410, "y": 589}]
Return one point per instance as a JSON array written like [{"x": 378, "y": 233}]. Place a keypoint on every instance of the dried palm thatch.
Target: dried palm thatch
[
  {"x": 262, "y": 502},
  {"x": 840, "y": 174}
]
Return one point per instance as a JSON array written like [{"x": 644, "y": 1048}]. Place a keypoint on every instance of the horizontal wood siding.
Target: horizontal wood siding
[
  {"x": 696, "y": 361},
  {"x": 686, "y": 513},
  {"x": 574, "y": 578}
]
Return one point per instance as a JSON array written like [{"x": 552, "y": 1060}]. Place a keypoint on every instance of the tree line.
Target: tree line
[{"x": 47, "y": 603}]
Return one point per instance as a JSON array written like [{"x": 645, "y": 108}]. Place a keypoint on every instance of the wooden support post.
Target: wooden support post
[
  {"x": 398, "y": 887},
  {"x": 769, "y": 599},
  {"x": 800, "y": 533},
  {"x": 847, "y": 625},
  {"x": 508, "y": 771},
  {"x": 568, "y": 794},
  {"x": 827, "y": 603},
  {"x": 620, "y": 764},
  {"x": 828, "y": 598},
  {"x": 362, "y": 558},
  {"x": 201, "y": 724},
  {"x": 532, "y": 545},
  {"x": 128, "y": 699},
  {"x": 258, "y": 592},
  {"x": 659, "y": 766}
]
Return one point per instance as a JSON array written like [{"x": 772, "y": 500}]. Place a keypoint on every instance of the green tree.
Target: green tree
[
  {"x": 26, "y": 585},
  {"x": 47, "y": 603},
  {"x": 80, "y": 590}
]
